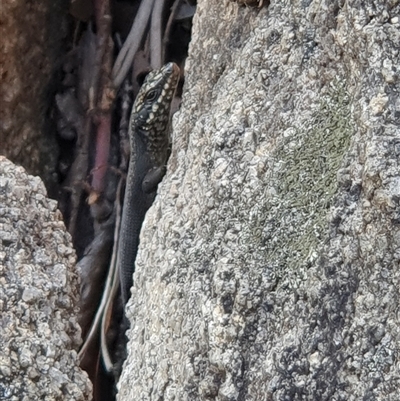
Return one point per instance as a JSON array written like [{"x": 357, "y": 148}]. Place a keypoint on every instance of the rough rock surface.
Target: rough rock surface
[
  {"x": 269, "y": 263},
  {"x": 39, "y": 334},
  {"x": 30, "y": 46}
]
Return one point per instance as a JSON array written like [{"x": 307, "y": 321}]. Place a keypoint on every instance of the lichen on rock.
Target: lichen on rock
[{"x": 269, "y": 263}]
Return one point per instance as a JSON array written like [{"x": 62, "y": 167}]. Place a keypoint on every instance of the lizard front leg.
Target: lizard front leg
[{"x": 153, "y": 178}]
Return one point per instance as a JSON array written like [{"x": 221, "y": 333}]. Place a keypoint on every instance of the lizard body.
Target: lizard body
[
  {"x": 149, "y": 147},
  {"x": 149, "y": 150}
]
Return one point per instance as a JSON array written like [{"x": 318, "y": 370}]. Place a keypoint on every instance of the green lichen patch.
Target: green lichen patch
[{"x": 304, "y": 177}]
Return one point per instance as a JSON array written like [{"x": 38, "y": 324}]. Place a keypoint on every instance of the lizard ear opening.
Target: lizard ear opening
[{"x": 153, "y": 178}]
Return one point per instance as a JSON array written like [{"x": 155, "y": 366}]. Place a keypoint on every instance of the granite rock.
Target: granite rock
[{"x": 269, "y": 263}]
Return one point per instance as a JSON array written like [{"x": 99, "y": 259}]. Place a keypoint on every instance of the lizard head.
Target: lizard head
[{"x": 150, "y": 112}]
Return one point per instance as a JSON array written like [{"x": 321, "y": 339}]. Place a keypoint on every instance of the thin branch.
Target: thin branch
[
  {"x": 172, "y": 15},
  {"x": 132, "y": 43},
  {"x": 104, "y": 100},
  {"x": 101, "y": 158},
  {"x": 112, "y": 284},
  {"x": 156, "y": 50}
]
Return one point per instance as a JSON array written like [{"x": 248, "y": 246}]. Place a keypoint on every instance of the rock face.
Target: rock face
[
  {"x": 39, "y": 290},
  {"x": 269, "y": 263},
  {"x": 31, "y": 33}
]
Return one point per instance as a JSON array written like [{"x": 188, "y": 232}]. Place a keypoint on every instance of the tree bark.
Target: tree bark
[{"x": 269, "y": 264}]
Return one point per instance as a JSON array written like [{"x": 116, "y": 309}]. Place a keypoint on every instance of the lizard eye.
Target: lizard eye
[{"x": 151, "y": 95}]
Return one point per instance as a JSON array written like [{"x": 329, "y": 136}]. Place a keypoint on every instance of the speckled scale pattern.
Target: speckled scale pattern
[{"x": 151, "y": 116}]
